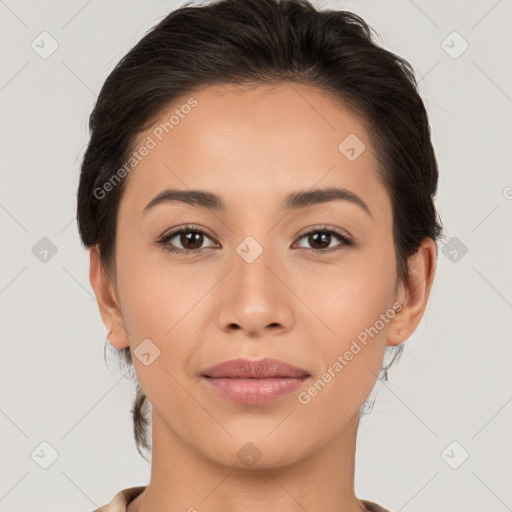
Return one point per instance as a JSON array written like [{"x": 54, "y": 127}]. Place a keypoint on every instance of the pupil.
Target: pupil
[
  {"x": 189, "y": 237},
  {"x": 324, "y": 236}
]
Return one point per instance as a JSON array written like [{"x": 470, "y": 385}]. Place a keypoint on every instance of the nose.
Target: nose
[{"x": 255, "y": 299}]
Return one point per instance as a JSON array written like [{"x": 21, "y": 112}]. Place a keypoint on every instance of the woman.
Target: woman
[{"x": 257, "y": 197}]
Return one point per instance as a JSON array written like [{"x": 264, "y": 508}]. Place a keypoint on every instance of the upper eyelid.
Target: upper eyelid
[
  {"x": 304, "y": 231},
  {"x": 324, "y": 227}
]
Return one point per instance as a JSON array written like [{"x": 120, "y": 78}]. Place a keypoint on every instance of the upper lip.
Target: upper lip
[{"x": 245, "y": 368}]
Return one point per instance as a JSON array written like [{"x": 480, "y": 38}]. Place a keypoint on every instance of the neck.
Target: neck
[{"x": 184, "y": 479}]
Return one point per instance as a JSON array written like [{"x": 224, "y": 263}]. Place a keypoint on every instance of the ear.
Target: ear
[
  {"x": 107, "y": 301},
  {"x": 414, "y": 294}
]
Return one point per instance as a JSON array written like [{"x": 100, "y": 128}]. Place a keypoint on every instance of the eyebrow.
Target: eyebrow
[{"x": 294, "y": 201}]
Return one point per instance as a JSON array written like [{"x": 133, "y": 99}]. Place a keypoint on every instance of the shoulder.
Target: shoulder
[
  {"x": 120, "y": 501},
  {"x": 373, "y": 507}
]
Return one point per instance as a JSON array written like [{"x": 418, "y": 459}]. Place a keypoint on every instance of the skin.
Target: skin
[{"x": 253, "y": 146}]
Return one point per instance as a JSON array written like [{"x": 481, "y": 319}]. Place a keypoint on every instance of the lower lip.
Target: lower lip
[{"x": 254, "y": 391}]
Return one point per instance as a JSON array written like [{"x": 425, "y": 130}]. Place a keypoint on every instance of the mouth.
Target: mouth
[
  {"x": 254, "y": 382},
  {"x": 247, "y": 369}
]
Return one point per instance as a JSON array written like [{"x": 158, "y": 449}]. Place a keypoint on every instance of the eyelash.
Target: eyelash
[{"x": 164, "y": 240}]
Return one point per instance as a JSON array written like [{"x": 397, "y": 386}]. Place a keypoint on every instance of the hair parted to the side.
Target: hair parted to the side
[{"x": 251, "y": 42}]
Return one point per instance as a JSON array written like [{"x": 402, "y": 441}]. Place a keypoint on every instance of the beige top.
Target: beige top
[{"x": 121, "y": 500}]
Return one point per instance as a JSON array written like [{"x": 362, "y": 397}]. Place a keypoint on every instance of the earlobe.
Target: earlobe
[
  {"x": 107, "y": 302},
  {"x": 414, "y": 294}
]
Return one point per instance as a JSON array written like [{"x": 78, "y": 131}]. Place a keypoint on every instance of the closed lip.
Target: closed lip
[{"x": 247, "y": 369}]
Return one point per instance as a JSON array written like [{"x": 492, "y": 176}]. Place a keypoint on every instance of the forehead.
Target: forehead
[{"x": 254, "y": 142}]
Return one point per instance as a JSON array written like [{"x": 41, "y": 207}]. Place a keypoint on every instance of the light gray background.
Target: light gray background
[{"x": 454, "y": 382}]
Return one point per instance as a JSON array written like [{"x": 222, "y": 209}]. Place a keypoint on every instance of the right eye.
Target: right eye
[{"x": 189, "y": 237}]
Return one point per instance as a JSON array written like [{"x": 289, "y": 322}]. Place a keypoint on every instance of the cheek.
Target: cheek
[
  {"x": 350, "y": 297},
  {"x": 160, "y": 309},
  {"x": 155, "y": 306},
  {"x": 153, "y": 296},
  {"x": 351, "y": 357},
  {"x": 160, "y": 302},
  {"x": 356, "y": 307}
]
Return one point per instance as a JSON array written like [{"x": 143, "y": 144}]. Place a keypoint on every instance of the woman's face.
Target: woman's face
[{"x": 256, "y": 285}]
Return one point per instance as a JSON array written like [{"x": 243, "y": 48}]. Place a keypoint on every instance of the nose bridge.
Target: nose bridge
[
  {"x": 257, "y": 256},
  {"x": 251, "y": 264},
  {"x": 255, "y": 248},
  {"x": 254, "y": 296}
]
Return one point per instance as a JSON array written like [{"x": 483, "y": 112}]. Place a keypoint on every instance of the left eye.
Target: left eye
[
  {"x": 191, "y": 239},
  {"x": 321, "y": 236}
]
